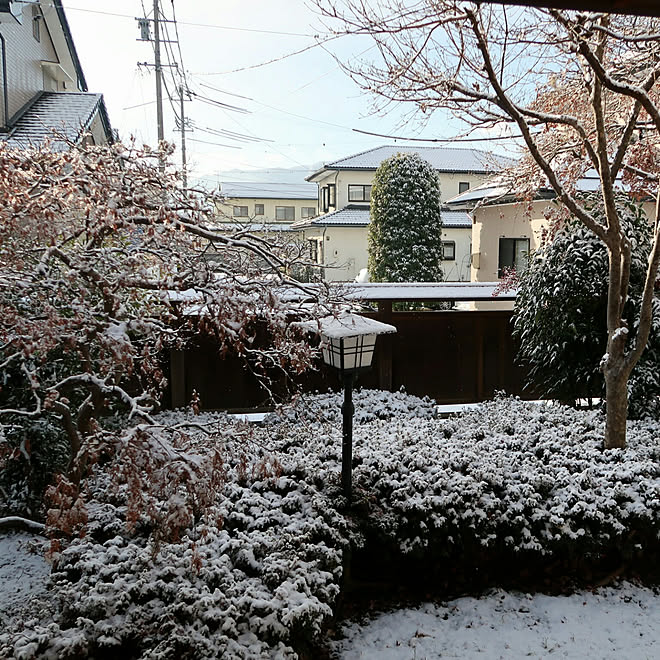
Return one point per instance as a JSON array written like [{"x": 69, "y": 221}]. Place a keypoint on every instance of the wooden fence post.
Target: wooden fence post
[
  {"x": 178, "y": 378},
  {"x": 385, "y": 347}
]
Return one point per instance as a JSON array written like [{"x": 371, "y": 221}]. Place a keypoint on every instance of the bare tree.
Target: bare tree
[
  {"x": 580, "y": 89},
  {"x": 105, "y": 261}
]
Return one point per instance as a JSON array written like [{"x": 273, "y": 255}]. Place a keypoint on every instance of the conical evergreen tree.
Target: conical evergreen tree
[{"x": 405, "y": 232}]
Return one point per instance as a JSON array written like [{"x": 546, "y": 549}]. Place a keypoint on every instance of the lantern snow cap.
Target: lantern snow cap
[{"x": 348, "y": 340}]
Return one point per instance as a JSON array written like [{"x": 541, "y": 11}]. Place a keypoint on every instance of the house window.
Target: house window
[
  {"x": 240, "y": 211},
  {"x": 463, "y": 186},
  {"x": 285, "y": 213},
  {"x": 514, "y": 253},
  {"x": 314, "y": 251},
  {"x": 328, "y": 196},
  {"x": 36, "y": 23},
  {"x": 308, "y": 211},
  {"x": 359, "y": 193},
  {"x": 258, "y": 209},
  {"x": 448, "y": 250}
]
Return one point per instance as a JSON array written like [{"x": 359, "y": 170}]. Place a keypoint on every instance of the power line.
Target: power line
[
  {"x": 413, "y": 139},
  {"x": 200, "y": 25},
  {"x": 222, "y": 91},
  {"x": 317, "y": 44},
  {"x": 220, "y": 104},
  {"x": 217, "y": 144},
  {"x": 270, "y": 146}
]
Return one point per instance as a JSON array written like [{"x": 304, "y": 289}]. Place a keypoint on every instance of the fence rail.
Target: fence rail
[{"x": 451, "y": 356}]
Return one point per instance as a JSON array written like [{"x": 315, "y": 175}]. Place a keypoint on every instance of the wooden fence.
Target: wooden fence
[{"x": 451, "y": 356}]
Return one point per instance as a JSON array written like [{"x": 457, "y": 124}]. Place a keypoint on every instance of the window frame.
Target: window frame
[
  {"x": 514, "y": 242},
  {"x": 365, "y": 190},
  {"x": 258, "y": 209},
  {"x": 328, "y": 197},
  {"x": 36, "y": 23},
  {"x": 463, "y": 187},
  {"x": 305, "y": 211},
  {"x": 286, "y": 213},
  {"x": 243, "y": 211},
  {"x": 451, "y": 244},
  {"x": 314, "y": 250}
]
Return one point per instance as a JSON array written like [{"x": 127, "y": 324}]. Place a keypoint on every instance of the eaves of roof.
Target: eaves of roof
[
  {"x": 69, "y": 113},
  {"x": 82, "y": 82},
  {"x": 474, "y": 160},
  {"x": 351, "y": 216}
]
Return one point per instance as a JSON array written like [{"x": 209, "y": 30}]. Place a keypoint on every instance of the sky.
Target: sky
[{"x": 294, "y": 111}]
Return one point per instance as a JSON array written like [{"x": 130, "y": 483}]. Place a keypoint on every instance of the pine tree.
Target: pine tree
[{"x": 405, "y": 232}]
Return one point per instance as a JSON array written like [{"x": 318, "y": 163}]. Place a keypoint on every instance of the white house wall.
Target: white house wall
[
  {"x": 458, "y": 270},
  {"x": 25, "y": 75},
  {"x": 97, "y": 131},
  {"x": 227, "y": 209},
  {"x": 449, "y": 184},
  {"x": 344, "y": 252},
  {"x": 514, "y": 220}
]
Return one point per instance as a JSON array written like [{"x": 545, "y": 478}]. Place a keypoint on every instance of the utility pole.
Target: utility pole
[
  {"x": 184, "y": 173},
  {"x": 159, "y": 73}
]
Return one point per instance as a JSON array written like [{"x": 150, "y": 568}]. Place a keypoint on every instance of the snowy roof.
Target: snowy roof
[
  {"x": 347, "y": 325},
  {"x": 358, "y": 216},
  {"x": 485, "y": 191},
  {"x": 252, "y": 227},
  {"x": 268, "y": 190},
  {"x": 427, "y": 291},
  {"x": 443, "y": 159},
  {"x": 348, "y": 216},
  {"x": 374, "y": 291},
  {"x": 457, "y": 219},
  {"x": 65, "y": 113},
  {"x": 494, "y": 191}
]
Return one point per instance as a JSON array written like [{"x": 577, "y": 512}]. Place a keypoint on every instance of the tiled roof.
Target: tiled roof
[
  {"x": 494, "y": 191},
  {"x": 359, "y": 217},
  {"x": 253, "y": 227},
  {"x": 458, "y": 219},
  {"x": 347, "y": 216},
  {"x": 268, "y": 190},
  {"x": 489, "y": 190},
  {"x": 65, "y": 113},
  {"x": 443, "y": 159}
]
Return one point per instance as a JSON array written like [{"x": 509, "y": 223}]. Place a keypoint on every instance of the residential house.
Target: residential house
[
  {"x": 338, "y": 238},
  {"x": 267, "y": 206},
  {"x": 506, "y": 230},
  {"x": 42, "y": 86}
]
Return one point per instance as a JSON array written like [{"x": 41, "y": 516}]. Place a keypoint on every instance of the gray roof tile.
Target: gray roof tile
[
  {"x": 66, "y": 113},
  {"x": 359, "y": 217},
  {"x": 443, "y": 159},
  {"x": 268, "y": 190}
]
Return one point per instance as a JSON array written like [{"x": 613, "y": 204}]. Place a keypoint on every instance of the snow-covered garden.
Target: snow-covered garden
[{"x": 509, "y": 495}]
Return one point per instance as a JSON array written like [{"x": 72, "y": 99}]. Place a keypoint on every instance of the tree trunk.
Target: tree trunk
[{"x": 616, "y": 406}]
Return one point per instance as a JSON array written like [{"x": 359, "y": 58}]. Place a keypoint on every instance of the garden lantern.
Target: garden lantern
[{"x": 347, "y": 343}]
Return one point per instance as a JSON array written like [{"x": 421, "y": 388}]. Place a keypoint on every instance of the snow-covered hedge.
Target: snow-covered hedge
[
  {"x": 509, "y": 474},
  {"x": 527, "y": 476},
  {"x": 258, "y": 576},
  {"x": 369, "y": 405}
]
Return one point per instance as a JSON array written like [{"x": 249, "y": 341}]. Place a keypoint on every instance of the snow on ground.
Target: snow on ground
[
  {"x": 611, "y": 623},
  {"x": 23, "y": 574},
  {"x": 511, "y": 474}
]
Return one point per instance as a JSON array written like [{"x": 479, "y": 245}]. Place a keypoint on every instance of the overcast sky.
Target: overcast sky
[{"x": 302, "y": 106}]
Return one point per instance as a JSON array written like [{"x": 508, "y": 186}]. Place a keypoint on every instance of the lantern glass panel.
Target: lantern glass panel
[{"x": 349, "y": 353}]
